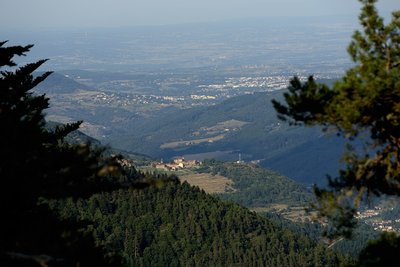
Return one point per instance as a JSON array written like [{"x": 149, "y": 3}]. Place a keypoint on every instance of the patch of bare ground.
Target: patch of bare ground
[{"x": 209, "y": 183}]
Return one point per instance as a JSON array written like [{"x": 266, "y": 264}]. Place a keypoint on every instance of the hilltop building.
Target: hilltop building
[{"x": 178, "y": 163}]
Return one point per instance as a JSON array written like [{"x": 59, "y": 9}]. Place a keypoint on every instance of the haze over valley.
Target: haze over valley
[{"x": 130, "y": 85}]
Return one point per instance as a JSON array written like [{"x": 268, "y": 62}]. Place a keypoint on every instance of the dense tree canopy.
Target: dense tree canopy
[
  {"x": 363, "y": 105},
  {"x": 180, "y": 225}
]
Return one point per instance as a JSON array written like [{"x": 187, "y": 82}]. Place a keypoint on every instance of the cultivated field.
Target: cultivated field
[{"x": 209, "y": 183}]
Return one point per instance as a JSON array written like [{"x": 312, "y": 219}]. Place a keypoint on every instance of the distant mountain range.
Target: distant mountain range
[{"x": 245, "y": 125}]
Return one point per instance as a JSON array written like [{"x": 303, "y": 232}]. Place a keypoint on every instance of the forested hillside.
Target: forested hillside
[
  {"x": 283, "y": 201},
  {"x": 179, "y": 225},
  {"x": 258, "y": 187}
]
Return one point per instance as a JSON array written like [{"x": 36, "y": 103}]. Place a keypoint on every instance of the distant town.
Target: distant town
[{"x": 192, "y": 95}]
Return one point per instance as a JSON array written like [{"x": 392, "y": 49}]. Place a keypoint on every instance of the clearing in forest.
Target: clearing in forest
[{"x": 209, "y": 183}]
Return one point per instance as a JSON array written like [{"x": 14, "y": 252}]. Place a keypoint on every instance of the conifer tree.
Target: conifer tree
[
  {"x": 37, "y": 165},
  {"x": 363, "y": 105}
]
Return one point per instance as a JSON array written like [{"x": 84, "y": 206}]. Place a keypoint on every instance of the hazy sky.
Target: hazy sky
[{"x": 112, "y": 13}]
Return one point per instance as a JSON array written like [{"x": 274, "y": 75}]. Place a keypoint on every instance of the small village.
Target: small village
[
  {"x": 176, "y": 164},
  {"x": 371, "y": 217}
]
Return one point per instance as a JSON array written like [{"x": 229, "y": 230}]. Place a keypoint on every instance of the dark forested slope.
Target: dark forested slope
[
  {"x": 179, "y": 225},
  {"x": 258, "y": 187}
]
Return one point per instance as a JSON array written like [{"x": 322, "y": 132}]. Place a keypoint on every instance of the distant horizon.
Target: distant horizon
[
  {"x": 289, "y": 19},
  {"x": 48, "y": 14},
  {"x": 297, "y": 45}
]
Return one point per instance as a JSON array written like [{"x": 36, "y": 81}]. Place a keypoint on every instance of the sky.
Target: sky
[{"x": 114, "y": 13}]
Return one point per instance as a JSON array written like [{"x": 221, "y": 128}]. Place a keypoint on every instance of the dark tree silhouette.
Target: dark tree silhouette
[{"x": 37, "y": 166}]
